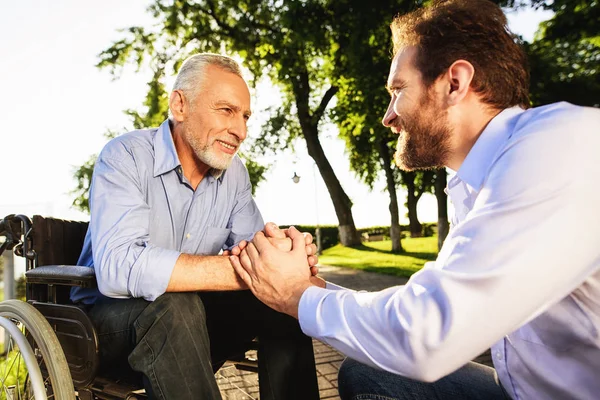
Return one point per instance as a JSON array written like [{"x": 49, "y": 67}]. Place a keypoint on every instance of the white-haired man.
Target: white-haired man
[{"x": 164, "y": 202}]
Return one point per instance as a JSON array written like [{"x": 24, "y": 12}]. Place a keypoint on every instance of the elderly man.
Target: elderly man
[{"x": 164, "y": 202}]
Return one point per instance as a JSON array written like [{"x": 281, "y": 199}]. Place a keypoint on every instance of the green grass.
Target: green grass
[
  {"x": 13, "y": 369},
  {"x": 378, "y": 256}
]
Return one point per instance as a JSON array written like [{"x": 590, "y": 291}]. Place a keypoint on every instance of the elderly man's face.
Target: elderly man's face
[
  {"x": 413, "y": 114},
  {"x": 215, "y": 125}
]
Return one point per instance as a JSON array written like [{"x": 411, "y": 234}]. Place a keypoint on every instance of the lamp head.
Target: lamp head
[{"x": 295, "y": 178}]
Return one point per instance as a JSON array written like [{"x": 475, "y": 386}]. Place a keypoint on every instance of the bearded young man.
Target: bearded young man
[
  {"x": 164, "y": 202},
  {"x": 519, "y": 271}
]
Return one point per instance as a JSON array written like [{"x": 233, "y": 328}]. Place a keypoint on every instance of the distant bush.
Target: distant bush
[
  {"x": 429, "y": 229},
  {"x": 20, "y": 288},
  {"x": 330, "y": 234}
]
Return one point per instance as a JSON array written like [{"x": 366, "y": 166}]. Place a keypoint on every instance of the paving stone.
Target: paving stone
[
  {"x": 329, "y": 394},
  {"x": 324, "y": 383},
  {"x": 327, "y": 369},
  {"x": 333, "y": 376}
]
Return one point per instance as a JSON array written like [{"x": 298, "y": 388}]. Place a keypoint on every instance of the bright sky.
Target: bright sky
[{"x": 55, "y": 106}]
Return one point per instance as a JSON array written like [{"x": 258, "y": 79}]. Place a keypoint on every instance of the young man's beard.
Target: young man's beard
[{"x": 424, "y": 141}]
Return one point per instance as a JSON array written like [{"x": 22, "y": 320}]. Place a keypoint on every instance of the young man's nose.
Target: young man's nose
[{"x": 389, "y": 117}]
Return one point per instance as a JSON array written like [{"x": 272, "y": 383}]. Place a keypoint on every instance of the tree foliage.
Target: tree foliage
[{"x": 565, "y": 55}]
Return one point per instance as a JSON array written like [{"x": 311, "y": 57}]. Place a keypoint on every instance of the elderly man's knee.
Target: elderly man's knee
[{"x": 174, "y": 310}]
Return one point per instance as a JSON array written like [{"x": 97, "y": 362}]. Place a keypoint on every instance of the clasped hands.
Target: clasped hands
[{"x": 278, "y": 266}]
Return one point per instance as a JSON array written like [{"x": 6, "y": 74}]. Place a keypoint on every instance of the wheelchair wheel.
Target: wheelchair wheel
[{"x": 48, "y": 354}]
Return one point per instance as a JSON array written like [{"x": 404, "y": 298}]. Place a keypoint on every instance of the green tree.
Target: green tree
[
  {"x": 565, "y": 54},
  {"x": 363, "y": 62},
  {"x": 366, "y": 39}
]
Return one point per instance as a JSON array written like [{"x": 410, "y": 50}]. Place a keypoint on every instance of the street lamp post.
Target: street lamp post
[{"x": 296, "y": 179}]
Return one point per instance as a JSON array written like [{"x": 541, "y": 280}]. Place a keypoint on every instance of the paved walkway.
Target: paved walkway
[{"x": 243, "y": 385}]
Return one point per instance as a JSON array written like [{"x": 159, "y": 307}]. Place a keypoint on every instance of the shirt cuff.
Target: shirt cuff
[
  {"x": 152, "y": 283},
  {"x": 333, "y": 286},
  {"x": 309, "y": 309}
]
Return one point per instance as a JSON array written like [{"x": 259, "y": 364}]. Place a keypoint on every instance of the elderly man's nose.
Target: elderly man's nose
[{"x": 239, "y": 130}]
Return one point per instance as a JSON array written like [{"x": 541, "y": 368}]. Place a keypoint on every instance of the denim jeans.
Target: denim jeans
[
  {"x": 472, "y": 382},
  {"x": 178, "y": 341}
]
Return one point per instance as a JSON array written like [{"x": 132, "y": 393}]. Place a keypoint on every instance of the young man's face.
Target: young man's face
[
  {"x": 215, "y": 125},
  {"x": 416, "y": 116}
]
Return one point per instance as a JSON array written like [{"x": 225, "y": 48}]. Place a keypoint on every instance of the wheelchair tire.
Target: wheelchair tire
[{"x": 48, "y": 352}]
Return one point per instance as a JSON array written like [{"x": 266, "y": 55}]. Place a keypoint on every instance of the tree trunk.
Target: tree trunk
[
  {"x": 415, "y": 227},
  {"x": 309, "y": 124},
  {"x": 442, "y": 203},
  {"x": 341, "y": 202},
  {"x": 395, "y": 231}
]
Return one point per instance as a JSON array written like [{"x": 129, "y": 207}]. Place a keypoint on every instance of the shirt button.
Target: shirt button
[
  {"x": 188, "y": 236},
  {"x": 499, "y": 355}
]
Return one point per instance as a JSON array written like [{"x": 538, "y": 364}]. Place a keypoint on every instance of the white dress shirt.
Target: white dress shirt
[{"x": 519, "y": 272}]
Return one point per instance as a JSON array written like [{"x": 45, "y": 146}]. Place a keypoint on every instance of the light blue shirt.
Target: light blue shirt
[
  {"x": 144, "y": 214},
  {"x": 519, "y": 271}
]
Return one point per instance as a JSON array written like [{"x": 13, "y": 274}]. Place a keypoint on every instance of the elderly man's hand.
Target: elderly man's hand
[
  {"x": 281, "y": 241},
  {"x": 277, "y": 278}
]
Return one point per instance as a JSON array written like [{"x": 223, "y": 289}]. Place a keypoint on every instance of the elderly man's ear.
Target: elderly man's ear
[{"x": 178, "y": 104}]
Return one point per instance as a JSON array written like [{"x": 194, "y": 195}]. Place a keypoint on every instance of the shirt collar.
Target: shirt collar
[
  {"x": 165, "y": 155},
  {"x": 476, "y": 165},
  {"x": 166, "y": 158}
]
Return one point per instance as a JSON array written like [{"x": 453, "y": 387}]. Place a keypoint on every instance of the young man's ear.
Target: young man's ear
[
  {"x": 458, "y": 80},
  {"x": 178, "y": 105}
]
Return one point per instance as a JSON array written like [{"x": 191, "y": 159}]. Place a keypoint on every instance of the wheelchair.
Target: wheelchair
[{"x": 54, "y": 338}]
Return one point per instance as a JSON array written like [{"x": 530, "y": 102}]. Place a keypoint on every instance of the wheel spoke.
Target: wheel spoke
[{"x": 18, "y": 374}]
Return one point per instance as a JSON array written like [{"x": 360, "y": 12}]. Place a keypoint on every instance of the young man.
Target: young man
[
  {"x": 164, "y": 202},
  {"x": 519, "y": 271}
]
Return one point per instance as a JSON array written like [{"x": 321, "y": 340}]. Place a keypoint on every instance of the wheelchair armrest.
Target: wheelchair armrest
[{"x": 68, "y": 275}]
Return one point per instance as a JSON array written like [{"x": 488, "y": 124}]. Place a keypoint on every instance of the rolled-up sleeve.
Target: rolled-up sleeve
[{"x": 127, "y": 264}]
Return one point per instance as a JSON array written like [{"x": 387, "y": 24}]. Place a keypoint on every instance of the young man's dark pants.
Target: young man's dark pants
[
  {"x": 177, "y": 340},
  {"x": 473, "y": 381}
]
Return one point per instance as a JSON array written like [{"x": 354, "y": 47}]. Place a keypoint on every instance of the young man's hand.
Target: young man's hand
[
  {"x": 278, "y": 278},
  {"x": 279, "y": 239}
]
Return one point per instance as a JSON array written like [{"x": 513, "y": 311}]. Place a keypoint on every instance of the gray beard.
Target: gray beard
[{"x": 206, "y": 154}]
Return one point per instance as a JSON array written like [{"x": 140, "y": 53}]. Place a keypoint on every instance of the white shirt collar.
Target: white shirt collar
[{"x": 478, "y": 162}]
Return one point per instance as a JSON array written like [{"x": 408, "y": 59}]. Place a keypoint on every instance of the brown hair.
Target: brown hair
[{"x": 471, "y": 30}]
